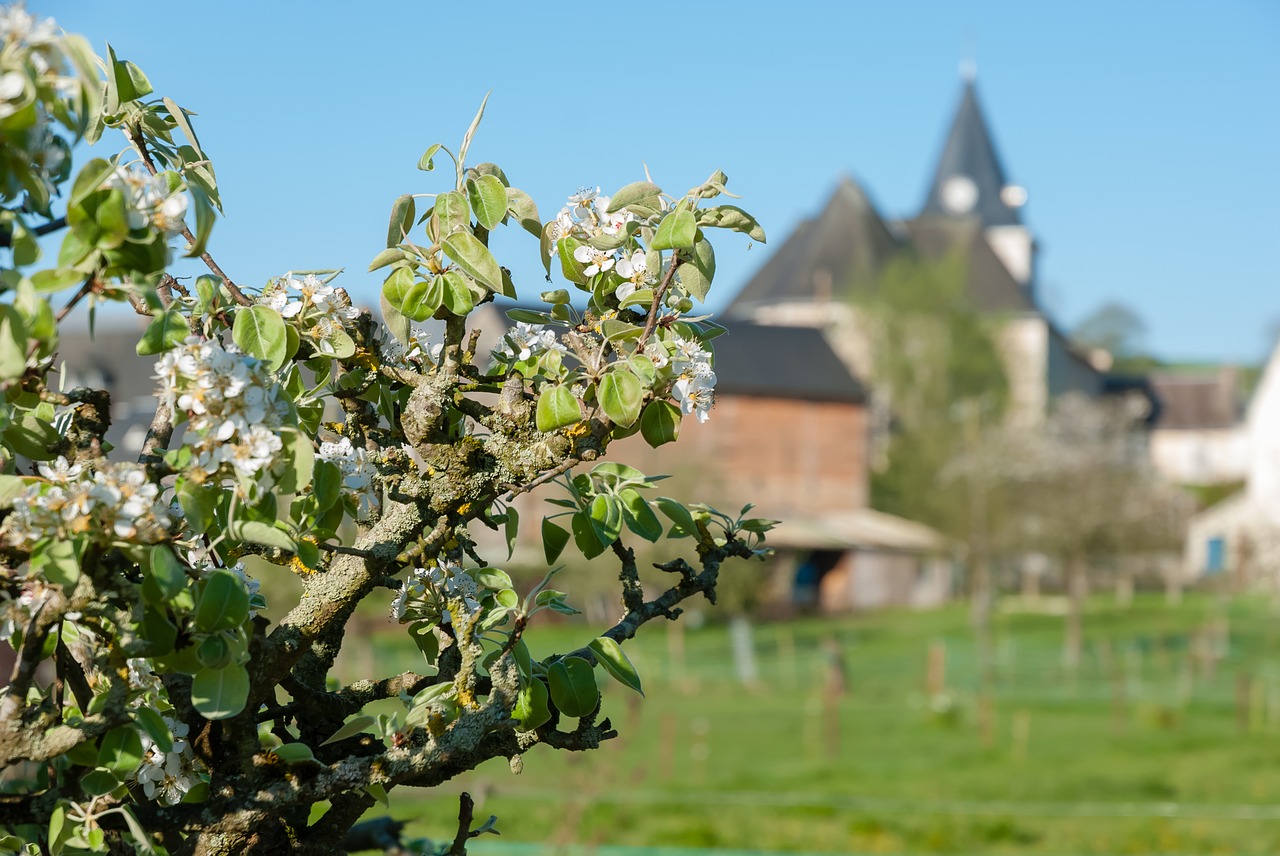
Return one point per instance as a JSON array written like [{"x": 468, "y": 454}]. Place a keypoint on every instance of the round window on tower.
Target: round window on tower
[{"x": 959, "y": 194}]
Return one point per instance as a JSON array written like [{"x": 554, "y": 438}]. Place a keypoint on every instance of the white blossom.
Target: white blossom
[
  {"x": 168, "y": 776},
  {"x": 117, "y": 498},
  {"x": 359, "y": 475},
  {"x": 433, "y": 593},
  {"x": 526, "y": 341}
]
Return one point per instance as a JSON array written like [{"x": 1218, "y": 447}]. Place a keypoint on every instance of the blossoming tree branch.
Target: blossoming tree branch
[{"x": 152, "y": 706}]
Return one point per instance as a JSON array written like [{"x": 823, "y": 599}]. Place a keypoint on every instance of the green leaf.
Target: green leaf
[
  {"x": 573, "y": 686},
  {"x": 396, "y": 287},
  {"x": 33, "y": 438},
  {"x": 569, "y": 266},
  {"x": 639, "y": 515},
  {"x": 606, "y": 518},
  {"x": 523, "y": 208},
  {"x": 423, "y": 298},
  {"x": 731, "y": 217},
  {"x": 13, "y": 343},
  {"x": 488, "y": 199},
  {"x": 166, "y": 330},
  {"x": 386, "y": 257},
  {"x": 457, "y": 297},
  {"x": 55, "y": 279},
  {"x": 301, "y": 461},
  {"x": 326, "y": 485},
  {"x": 452, "y": 214},
  {"x": 557, "y": 407},
  {"x": 57, "y": 561},
  {"x": 660, "y": 423},
  {"x": 11, "y": 487},
  {"x": 475, "y": 259},
  {"x": 609, "y": 654},
  {"x": 153, "y": 723},
  {"x": 259, "y": 331},
  {"x": 350, "y": 728},
  {"x": 511, "y": 529},
  {"x": 554, "y": 539},
  {"x": 121, "y": 750},
  {"x": 585, "y": 536},
  {"x": 198, "y": 502},
  {"x": 637, "y": 191},
  {"x": 696, "y": 273},
  {"x": 677, "y": 231},
  {"x": 426, "y": 163},
  {"x": 220, "y": 693},
  {"x": 224, "y": 603},
  {"x": 531, "y": 709},
  {"x": 260, "y": 533},
  {"x": 294, "y": 753},
  {"x": 180, "y": 119},
  {"x": 620, "y": 394},
  {"x": 214, "y": 652},
  {"x": 680, "y": 516},
  {"x": 395, "y": 320},
  {"x": 403, "y": 213},
  {"x": 99, "y": 782},
  {"x": 161, "y": 633},
  {"x": 166, "y": 572}
]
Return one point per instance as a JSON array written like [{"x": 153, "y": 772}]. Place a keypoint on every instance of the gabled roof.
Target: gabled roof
[
  {"x": 825, "y": 256},
  {"x": 782, "y": 362},
  {"x": 969, "y": 152},
  {"x": 1197, "y": 400}
]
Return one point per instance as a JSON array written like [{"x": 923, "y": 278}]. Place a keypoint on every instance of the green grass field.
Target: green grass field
[{"x": 1166, "y": 741}]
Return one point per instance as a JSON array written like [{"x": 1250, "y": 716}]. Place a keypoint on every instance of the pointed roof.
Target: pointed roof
[
  {"x": 825, "y": 256},
  {"x": 970, "y": 154}
]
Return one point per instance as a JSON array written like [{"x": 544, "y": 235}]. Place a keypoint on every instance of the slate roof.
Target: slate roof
[
  {"x": 846, "y": 244},
  {"x": 782, "y": 362},
  {"x": 1197, "y": 400},
  {"x": 109, "y": 361},
  {"x": 991, "y": 287},
  {"x": 969, "y": 151}
]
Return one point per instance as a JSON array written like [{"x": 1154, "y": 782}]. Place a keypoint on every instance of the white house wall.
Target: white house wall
[{"x": 1201, "y": 456}]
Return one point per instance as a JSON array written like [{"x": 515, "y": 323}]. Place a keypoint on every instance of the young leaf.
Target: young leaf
[
  {"x": 403, "y": 213},
  {"x": 637, "y": 191},
  {"x": 731, "y": 217},
  {"x": 680, "y": 516},
  {"x": 584, "y": 535},
  {"x": 488, "y": 199},
  {"x": 677, "y": 231},
  {"x": 475, "y": 259},
  {"x": 522, "y": 206},
  {"x": 166, "y": 330},
  {"x": 426, "y": 163},
  {"x": 620, "y": 394},
  {"x": 557, "y": 407},
  {"x": 259, "y": 331},
  {"x": 610, "y": 655},
  {"x": 639, "y": 516},
  {"x": 573, "y": 686},
  {"x": 696, "y": 273},
  {"x": 456, "y": 296}
]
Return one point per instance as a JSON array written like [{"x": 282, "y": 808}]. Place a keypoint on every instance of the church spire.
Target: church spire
[{"x": 969, "y": 180}]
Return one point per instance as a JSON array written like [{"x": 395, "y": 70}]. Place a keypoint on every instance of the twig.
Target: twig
[
  {"x": 515, "y": 490},
  {"x": 139, "y": 144},
  {"x": 652, "y": 320},
  {"x": 85, "y": 290},
  {"x": 6, "y": 237},
  {"x": 466, "y": 808}
]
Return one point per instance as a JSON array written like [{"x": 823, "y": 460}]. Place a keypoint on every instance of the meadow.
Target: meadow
[{"x": 868, "y": 734}]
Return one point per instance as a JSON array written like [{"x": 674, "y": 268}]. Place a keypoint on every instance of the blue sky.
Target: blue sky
[{"x": 1145, "y": 133}]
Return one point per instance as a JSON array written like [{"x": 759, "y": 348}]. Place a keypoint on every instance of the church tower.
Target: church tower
[{"x": 969, "y": 184}]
